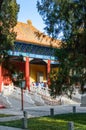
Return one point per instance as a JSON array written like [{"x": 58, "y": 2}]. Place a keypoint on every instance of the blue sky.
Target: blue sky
[{"x": 28, "y": 11}]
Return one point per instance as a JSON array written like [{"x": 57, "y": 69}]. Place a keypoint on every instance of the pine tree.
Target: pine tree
[
  {"x": 69, "y": 18},
  {"x": 8, "y": 19}
]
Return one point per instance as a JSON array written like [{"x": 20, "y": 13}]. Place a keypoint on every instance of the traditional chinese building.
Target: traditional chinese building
[{"x": 37, "y": 51}]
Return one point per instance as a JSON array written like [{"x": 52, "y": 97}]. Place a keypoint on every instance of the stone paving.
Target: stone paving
[
  {"x": 9, "y": 128},
  {"x": 38, "y": 111}
]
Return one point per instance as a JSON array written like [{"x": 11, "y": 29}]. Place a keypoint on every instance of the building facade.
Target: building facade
[{"x": 37, "y": 51}]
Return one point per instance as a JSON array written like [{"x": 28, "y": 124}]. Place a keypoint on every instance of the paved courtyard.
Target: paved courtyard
[
  {"x": 40, "y": 111},
  {"x": 36, "y": 112}
]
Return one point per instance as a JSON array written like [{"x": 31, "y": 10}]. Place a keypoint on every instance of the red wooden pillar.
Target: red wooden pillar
[
  {"x": 0, "y": 77},
  {"x": 48, "y": 72},
  {"x": 27, "y": 73}
]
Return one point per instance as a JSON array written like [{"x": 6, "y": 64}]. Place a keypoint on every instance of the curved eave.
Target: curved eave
[{"x": 27, "y": 33}]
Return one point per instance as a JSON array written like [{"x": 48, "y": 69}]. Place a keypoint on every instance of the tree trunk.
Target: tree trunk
[{"x": 1, "y": 1}]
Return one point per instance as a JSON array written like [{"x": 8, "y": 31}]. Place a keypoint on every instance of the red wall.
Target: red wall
[{"x": 7, "y": 77}]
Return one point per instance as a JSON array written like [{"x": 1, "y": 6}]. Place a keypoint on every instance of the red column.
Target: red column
[
  {"x": 48, "y": 72},
  {"x": 0, "y": 77},
  {"x": 27, "y": 73}
]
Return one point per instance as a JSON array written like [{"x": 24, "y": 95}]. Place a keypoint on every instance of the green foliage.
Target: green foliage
[
  {"x": 55, "y": 84},
  {"x": 69, "y": 18},
  {"x": 8, "y": 19}
]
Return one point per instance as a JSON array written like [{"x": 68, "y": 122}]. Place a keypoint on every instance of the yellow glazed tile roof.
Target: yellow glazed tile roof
[{"x": 27, "y": 33}]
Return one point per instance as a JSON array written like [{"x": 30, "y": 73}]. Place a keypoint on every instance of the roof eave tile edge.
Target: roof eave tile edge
[{"x": 35, "y": 43}]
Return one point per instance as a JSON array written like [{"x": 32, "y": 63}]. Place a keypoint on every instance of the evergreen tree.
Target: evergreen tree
[
  {"x": 8, "y": 19},
  {"x": 69, "y": 18}
]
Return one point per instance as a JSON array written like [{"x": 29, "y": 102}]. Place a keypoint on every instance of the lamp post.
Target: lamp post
[
  {"x": 19, "y": 82},
  {"x": 22, "y": 86}
]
